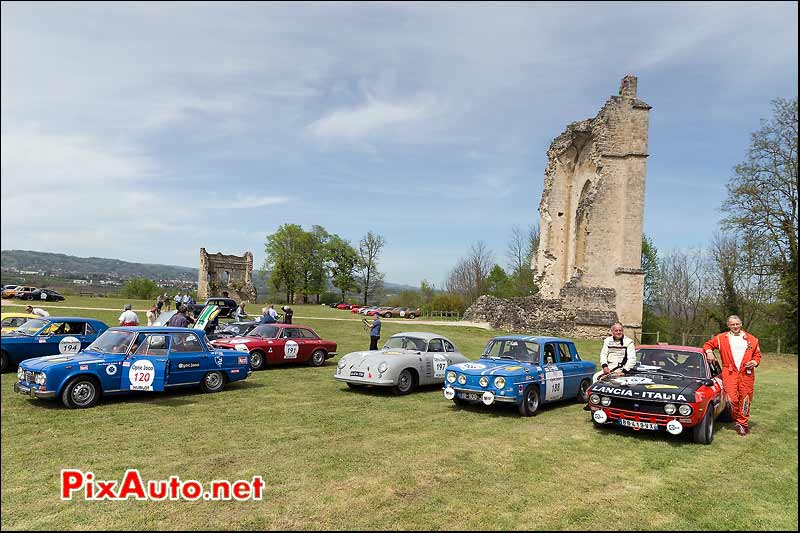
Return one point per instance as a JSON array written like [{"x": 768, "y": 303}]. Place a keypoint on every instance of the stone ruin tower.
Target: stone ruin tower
[
  {"x": 226, "y": 273},
  {"x": 592, "y": 211}
]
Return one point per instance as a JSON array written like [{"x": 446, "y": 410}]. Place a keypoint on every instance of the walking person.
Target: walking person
[{"x": 375, "y": 332}]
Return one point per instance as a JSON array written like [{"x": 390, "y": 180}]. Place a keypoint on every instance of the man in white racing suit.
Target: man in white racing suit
[{"x": 618, "y": 354}]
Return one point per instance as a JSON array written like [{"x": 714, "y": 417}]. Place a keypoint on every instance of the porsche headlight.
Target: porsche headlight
[
  {"x": 484, "y": 381},
  {"x": 451, "y": 377},
  {"x": 605, "y": 401},
  {"x": 685, "y": 410},
  {"x": 670, "y": 408},
  {"x": 499, "y": 382},
  {"x": 462, "y": 379},
  {"x": 341, "y": 364},
  {"x": 594, "y": 398},
  {"x": 382, "y": 367},
  {"x": 20, "y": 373}
]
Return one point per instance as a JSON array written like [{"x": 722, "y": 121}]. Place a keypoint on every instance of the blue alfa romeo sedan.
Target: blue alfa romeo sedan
[
  {"x": 526, "y": 371},
  {"x": 48, "y": 336},
  {"x": 129, "y": 359}
]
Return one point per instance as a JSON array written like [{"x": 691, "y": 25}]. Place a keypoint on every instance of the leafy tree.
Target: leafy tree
[
  {"x": 499, "y": 283},
  {"x": 140, "y": 289},
  {"x": 651, "y": 272},
  {"x": 342, "y": 263},
  {"x": 521, "y": 252},
  {"x": 284, "y": 250},
  {"x": 426, "y": 291},
  {"x": 762, "y": 202},
  {"x": 314, "y": 254},
  {"x": 369, "y": 247}
]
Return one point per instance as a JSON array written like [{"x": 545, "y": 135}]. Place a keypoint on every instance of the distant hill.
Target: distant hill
[{"x": 63, "y": 265}]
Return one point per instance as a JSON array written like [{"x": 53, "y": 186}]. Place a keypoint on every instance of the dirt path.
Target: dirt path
[{"x": 458, "y": 323}]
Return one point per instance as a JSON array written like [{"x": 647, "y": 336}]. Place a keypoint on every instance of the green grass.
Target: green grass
[{"x": 337, "y": 459}]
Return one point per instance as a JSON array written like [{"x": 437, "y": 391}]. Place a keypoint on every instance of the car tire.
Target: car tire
[
  {"x": 411, "y": 315},
  {"x": 582, "y": 396},
  {"x": 406, "y": 382},
  {"x": 260, "y": 360},
  {"x": 317, "y": 358},
  {"x": 387, "y": 315},
  {"x": 530, "y": 401},
  {"x": 703, "y": 433},
  {"x": 214, "y": 381},
  {"x": 81, "y": 392},
  {"x": 3, "y": 361}
]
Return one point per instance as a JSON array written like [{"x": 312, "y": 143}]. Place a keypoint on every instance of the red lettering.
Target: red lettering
[
  {"x": 258, "y": 484},
  {"x": 191, "y": 490},
  {"x": 174, "y": 485},
  {"x": 71, "y": 481},
  {"x": 221, "y": 490},
  {"x": 241, "y": 490},
  {"x": 106, "y": 490},
  {"x": 132, "y": 486},
  {"x": 159, "y": 493}
]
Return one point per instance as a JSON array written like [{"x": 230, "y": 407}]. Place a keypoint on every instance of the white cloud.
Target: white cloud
[{"x": 247, "y": 202}]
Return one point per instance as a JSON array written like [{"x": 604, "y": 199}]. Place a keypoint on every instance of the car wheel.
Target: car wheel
[
  {"x": 530, "y": 401},
  {"x": 317, "y": 358},
  {"x": 703, "y": 433},
  {"x": 3, "y": 362},
  {"x": 81, "y": 393},
  {"x": 405, "y": 383},
  {"x": 411, "y": 315},
  {"x": 213, "y": 382},
  {"x": 256, "y": 360},
  {"x": 582, "y": 396},
  {"x": 388, "y": 315}
]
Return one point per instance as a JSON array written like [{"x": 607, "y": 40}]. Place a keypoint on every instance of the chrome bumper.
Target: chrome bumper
[
  {"x": 32, "y": 392},
  {"x": 497, "y": 398}
]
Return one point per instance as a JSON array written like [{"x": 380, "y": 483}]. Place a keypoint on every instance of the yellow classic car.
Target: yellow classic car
[{"x": 11, "y": 321}]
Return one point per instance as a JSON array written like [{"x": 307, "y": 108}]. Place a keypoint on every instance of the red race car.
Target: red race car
[
  {"x": 671, "y": 388},
  {"x": 272, "y": 344}
]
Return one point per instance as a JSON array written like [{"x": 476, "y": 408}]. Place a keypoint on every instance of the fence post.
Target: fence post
[
  {"x": 779, "y": 345},
  {"x": 658, "y": 337},
  {"x": 683, "y": 339}
]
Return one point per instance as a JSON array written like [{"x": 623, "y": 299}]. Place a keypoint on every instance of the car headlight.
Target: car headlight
[
  {"x": 40, "y": 378},
  {"x": 605, "y": 401},
  {"x": 462, "y": 379},
  {"x": 451, "y": 377},
  {"x": 484, "y": 381},
  {"x": 594, "y": 398},
  {"x": 685, "y": 410},
  {"x": 382, "y": 367},
  {"x": 20, "y": 373},
  {"x": 341, "y": 364},
  {"x": 499, "y": 382},
  {"x": 670, "y": 408}
]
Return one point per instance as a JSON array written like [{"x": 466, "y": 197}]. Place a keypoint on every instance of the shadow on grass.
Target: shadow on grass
[
  {"x": 502, "y": 409},
  {"x": 682, "y": 440},
  {"x": 376, "y": 390}
]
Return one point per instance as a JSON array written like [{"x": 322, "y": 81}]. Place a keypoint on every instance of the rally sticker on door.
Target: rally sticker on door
[
  {"x": 439, "y": 365},
  {"x": 142, "y": 374},
  {"x": 290, "y": 350},
  {"x": 69, "y": 345},
  {"x": 554, "y": 383}
]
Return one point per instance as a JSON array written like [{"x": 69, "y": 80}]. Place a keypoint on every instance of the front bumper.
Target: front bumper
[
  {"x": 365, "y": 380},
  {"x": 33, "y": 392},
  {"x": 615, "y": 415},
  {"x": 496, "y": 394}
]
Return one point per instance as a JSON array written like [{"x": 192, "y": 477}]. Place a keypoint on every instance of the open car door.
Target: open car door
[
  {"x": 209, "y": 313},
  {"x": 146, "y": 368}
]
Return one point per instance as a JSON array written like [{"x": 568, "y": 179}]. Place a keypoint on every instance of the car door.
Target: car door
[
  {"x": 146, "y": 368},
  {"x": 553, "y": 375},
  {"x": 188, "y": 359},
  {"x": 295, "y": 347},
  {"x": 435, "y": 362},
  {"x": 570, "y": 367},
  {"x": 58, "y": 338}
]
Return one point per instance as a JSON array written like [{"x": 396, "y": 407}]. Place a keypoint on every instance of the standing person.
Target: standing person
[
  {"x": 152, "y": 314},
  {"x": 287, "y": 314},
  {"x": 181, "y": 318},
  {"x": 36, "y": 311},
  {"x": 186, "y": 299},
  {"x": 159, "y": 303},
  {"x": 177, "y": 300},
  {"x": 374, "y": 332},
  {"x": 240, "y": 313},
  {"x": 618, "y": 354},
  {"x": 740, "y": 357},
  {"x": 167, "y": 301},
  {"x": 128, "y": 317},
  {"x": 272, "y": 313}
]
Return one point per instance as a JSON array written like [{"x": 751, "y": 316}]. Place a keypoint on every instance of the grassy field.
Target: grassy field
[{"x": 338, "y": 459}]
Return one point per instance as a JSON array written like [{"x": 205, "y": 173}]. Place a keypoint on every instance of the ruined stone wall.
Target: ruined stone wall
[
  {"x": 226, "y": 273},
  {"x": 592, "y": 208}
]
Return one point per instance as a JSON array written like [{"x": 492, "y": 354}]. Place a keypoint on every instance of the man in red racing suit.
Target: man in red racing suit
[{"x": 740, "y": 356}]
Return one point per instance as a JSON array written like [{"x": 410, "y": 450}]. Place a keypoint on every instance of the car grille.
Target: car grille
[
  {"x": 30, "y": 376},
  {"x": 637, "y": 405}
]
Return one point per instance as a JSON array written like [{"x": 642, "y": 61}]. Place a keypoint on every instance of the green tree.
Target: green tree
[
  {"x": 499, "y": 283},
  {"x": 651, "y": 272},
  {"x": 284, "y": 259},
  {"x": 140, "y": 289},
  {"x": 426, "y": 291},
  {"x": 369, "y": 248},
  {"x": 522, "y": 248},
  {"x": 342, "y": 263},
  {"x": 314, "y": 254},
  {"x": 762, "y": 202}
]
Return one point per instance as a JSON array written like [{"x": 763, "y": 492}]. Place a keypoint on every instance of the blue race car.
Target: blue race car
[
  {"x": 523, "y": 370},
  {"x": 128, "y": 359},
  {"x": 48, "y": 336}
]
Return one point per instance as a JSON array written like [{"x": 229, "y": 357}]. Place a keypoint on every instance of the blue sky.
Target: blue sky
[{"x": 144, "y": 131}]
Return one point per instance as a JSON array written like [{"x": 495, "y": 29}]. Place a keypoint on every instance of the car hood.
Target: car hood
[
  {"x": 16, "y": 338},
  {"x": 39, "y": 364},
  {"x": 231, "y": 342},
  {"x": 376, "y": 357},
  {"x": 493, "y": 367},
  {"x": 650, "y": 386}
]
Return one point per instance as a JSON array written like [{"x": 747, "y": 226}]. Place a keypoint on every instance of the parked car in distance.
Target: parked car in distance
[
  {"x": 406, "y": 361},
  {"x": 18, "y": 291},
  {"x": 671, "y": 388},
  {"x": 45, "y": 295},
  {"x": 227, "y": 306},
  {"x": 122, "y": 360},
  {"x": 52, "y": 335},
  {"x": 522, "y": 370},
  {"x": 271, "y": 344}
]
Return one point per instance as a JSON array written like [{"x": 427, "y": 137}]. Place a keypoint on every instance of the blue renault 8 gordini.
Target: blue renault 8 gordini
[
  {"x": 129, "y": 359},
  {"x": 526, "y": 371}
]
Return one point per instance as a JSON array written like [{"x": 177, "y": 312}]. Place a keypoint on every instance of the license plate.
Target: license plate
[
  {"x": 639, "y": 425},
  {"x": 357, "y": 374},
  {"x": 470, "y": 396}
]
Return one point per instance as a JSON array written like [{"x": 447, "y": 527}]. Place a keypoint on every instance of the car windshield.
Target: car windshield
[
  {"x": 264, "y": 331},
  {"x": 407, "y": 343},
  {"x": 112, "y": 341},
  {"x": 673, "y": 361},
  {"x": 516, "y": 350},
  {"x": 31, "y": 326}
]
